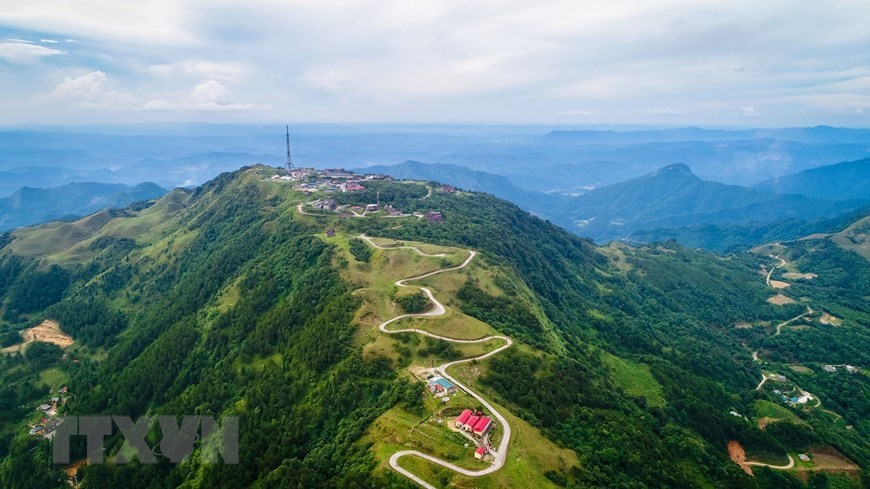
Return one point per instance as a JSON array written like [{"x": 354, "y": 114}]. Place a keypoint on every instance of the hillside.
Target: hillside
[
  {"x": 30, "y": 206},
  {"x": 241, "y": 298},
  {"x": 841, "y": 181}
]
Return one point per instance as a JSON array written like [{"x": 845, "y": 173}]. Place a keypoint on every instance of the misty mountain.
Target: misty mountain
[
  {"x": 30, "y": 206},
  {"x": 674, "y": 197},
  {"x": 841, "y": 181}
]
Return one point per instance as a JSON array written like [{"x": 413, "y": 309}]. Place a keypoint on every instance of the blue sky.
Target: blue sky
[{"x": 663, "y": 62}]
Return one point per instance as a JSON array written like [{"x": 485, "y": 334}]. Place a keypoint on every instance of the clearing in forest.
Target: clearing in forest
[
  {"x": 47, "y": 331},
  {"x": 780, "y": 300}
]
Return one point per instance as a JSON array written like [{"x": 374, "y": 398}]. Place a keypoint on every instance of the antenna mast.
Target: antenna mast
[{"x": 289, "y": 165}]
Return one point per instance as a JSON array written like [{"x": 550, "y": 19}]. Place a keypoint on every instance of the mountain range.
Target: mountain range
[{"x": 30, "y": 206}]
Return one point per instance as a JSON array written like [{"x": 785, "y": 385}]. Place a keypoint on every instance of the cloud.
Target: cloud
[
  {"x": 89, "y": 87},
  {"x": 580, "y": 112},
  {"x": 662, "y": 112},
  {"x": 451, "y": 60},
  {"x": 20, "y": 52},
  {"x": 93, "y": 90},
  {"x": 199, "y": 69},
  {"x": 210, "y": 95}
]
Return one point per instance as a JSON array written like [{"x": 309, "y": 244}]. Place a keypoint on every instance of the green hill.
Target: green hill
[{"x": 228, "y": 300}]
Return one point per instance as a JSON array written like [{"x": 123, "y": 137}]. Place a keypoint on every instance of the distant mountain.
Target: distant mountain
[
  {"x": 841, "y": 181},
  {"x": 474, "y": 180},
  {"x": 30, "y": 206},
  {"x": 674, "y": 197},
  {"x": 818, "y": 134}
]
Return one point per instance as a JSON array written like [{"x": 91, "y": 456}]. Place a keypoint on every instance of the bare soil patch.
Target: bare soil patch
[
  {"x": 778, "y": 284},
  {"x": 742, "y": 325},
  {"x": 830, "y": 320},
  {"x": 47, "y": 331},
  {"x": 738, "y": 456},
  {"x": 780, "y": 300}
]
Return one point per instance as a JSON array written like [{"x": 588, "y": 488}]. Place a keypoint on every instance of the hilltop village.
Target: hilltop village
[{"x": 339, "y": 180}]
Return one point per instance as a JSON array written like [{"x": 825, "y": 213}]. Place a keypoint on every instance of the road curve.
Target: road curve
[{"x": 501, "y": 454}]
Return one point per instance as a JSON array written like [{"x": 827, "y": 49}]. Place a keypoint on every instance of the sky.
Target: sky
[{"x": 576, "y": 62}]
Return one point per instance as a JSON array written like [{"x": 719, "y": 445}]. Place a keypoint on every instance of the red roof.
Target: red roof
[
  {"x": 482, "y": 424},
  {"x": 472, "y": 420},
  {"x": 481, "y": 450},
  {"x": 464, "y": 416}
]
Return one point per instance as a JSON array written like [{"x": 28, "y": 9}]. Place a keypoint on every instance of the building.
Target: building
[
  {"x": 851, "y": 369},
  {"x": 480, "y": 453},
  {"x": 441, "y": 387},
  {"x": 372, "y": 207},
  {"x": 482, "y": 427},
  {"x": 337, "y": 173},
  {"x": 392, "y": 210},
  {"x": 448, "y": 189},
  {"x": 830, "y": 368},
  {"x": 463, "y": 418},
  {"x": 324, "y": 204},
  {"x": 803, "y": 457},
  {"x": 351, "y": 187},
  {"x": 434, "y": 216},
  {"x": 330, "y": 233}
]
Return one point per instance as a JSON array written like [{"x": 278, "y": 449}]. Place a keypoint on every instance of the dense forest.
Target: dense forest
[{"x": 236, "y": 307}]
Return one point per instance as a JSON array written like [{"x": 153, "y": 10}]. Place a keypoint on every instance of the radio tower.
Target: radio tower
[{"x": 289, "y": 165}]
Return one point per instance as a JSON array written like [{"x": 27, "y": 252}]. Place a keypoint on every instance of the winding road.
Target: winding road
[
  {"x": 777, "y": 467},
  {"x": 781, "y": 264},
  {"x": 501, "y": 454}
]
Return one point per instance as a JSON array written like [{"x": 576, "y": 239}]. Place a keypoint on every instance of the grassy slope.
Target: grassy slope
[{"x": 531, "y": 454}]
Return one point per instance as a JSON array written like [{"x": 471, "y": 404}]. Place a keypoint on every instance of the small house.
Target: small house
[
  {"x": 480, "y": 453},
  {"x": 448, "y": 189},
  {"x": 434, "y": 216},
  {"x": 441, "y": 387},
  {"x": 803, "y": 457},
  {"x": 330, "y": 233},
  {"x": 371, "y": 207},
  {"x": 830, "y": 368}
]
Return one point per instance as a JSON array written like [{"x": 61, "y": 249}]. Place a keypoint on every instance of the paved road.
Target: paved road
[
  {"x": 501, "y": 454},
  {"x": 778, "y": 467}
]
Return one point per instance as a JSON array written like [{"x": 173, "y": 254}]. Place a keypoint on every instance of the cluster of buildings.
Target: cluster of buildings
[
  {"x": 474, "y": 422},
  {"x": 804, "y": 398},
  {"x": 833, "y": 368},
  {"x": 329, "y": 180},
  {"x": 48, "y": 421}
]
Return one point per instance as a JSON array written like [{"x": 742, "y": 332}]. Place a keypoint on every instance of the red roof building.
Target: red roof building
[
  {"x": 463, "y": 418},
  {"x": 472, "y": 420},
  {"x": 480, "y": 452},
  {"x": 482, "y": 425}
]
